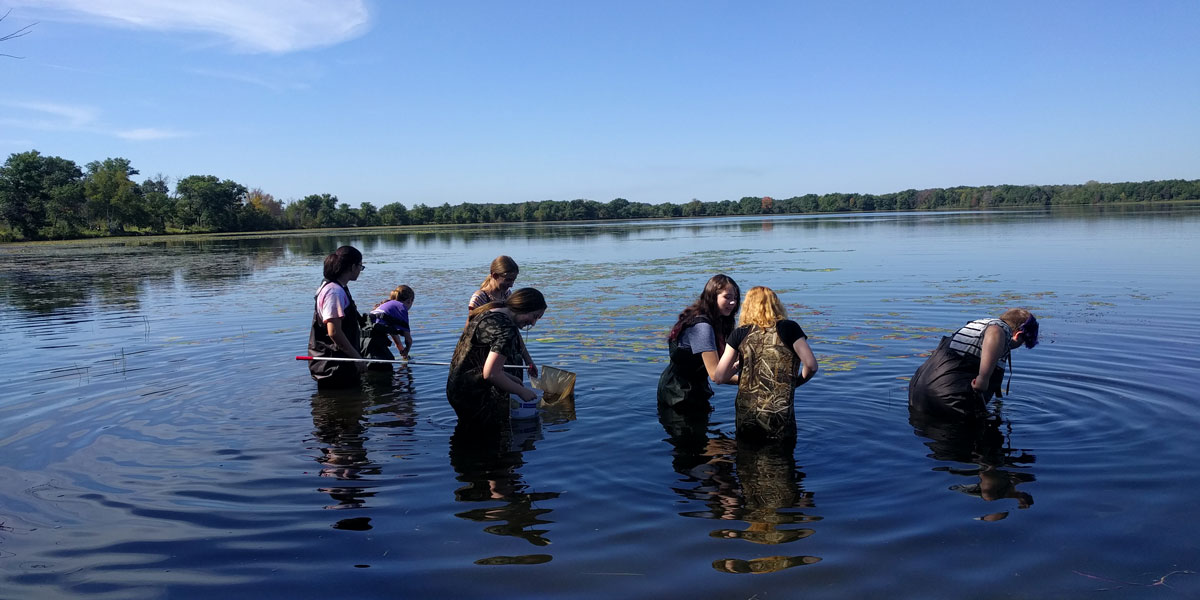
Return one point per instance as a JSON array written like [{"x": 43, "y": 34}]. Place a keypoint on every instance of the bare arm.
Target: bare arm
[
  {"x": 494, "y": 373},
  {"x": 808, "y": 361},
  {"x": 333, "y": 327},
  {"x": 992, "y": 350},
  {"x": 402, "y": 349},
  {"x": 726, "y": 368},
  {"x": 711, "y": 362}
]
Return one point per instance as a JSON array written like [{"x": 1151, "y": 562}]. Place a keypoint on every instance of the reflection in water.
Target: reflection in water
[
  {"x": 341, "y": 423},
  {"x": 992, "y": 461},
  {"x": 706, "y": 463},
  {"x": 753, "y": 482},
  {"x": 48, "y": 278},
  {"x": 119, "y": 275},
  {"x": 487, "y": 460}
]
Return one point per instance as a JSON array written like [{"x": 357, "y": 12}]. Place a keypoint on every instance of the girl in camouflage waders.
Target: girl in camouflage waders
[{"x": 775, "y": 359}]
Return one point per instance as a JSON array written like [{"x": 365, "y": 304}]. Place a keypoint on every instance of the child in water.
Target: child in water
[
  {"x": 497, "y": 288},
  {"x": 773, "y": 351},
  {"x": 390, "y": 320},
  {"x": 498, "y": 285}
]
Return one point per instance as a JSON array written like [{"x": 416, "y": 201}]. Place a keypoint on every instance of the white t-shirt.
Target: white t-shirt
[{"x": 332, "y": 301}]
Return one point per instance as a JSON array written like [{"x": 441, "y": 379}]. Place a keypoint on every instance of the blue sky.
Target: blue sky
[{"x": 652, "y": 101}]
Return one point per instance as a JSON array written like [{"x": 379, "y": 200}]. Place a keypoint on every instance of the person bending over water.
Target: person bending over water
[
  {"x": 478, "y": 386},
  {"x": 695, "y": 344},
  {"x": 335, "y": 329},
  {"x": 498, "y": 286},
  {"x": 775, "y": 358},
  {"x": 966, "y": 369},
  {"x": 389, "y": 320}
]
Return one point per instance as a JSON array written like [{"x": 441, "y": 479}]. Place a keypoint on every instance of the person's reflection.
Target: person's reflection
[
  {"x": 394, "y": 394},
  {"x": 706, "y": 463},
  {"x": 770, "y": 494},
  {"x": 340, "y": 429},
  {"x": 487, "y": 460},
  {"x": 340, "y": 425},
  {"x": 994, "y": 468}
]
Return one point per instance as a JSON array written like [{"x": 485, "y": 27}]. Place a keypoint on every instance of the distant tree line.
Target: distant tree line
[{"x": 49, "y": 197}]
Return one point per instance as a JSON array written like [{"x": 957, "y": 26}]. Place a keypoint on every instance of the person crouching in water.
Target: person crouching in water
[
  {"x": 335, "y": 329},
  {"x": 389, "y": 319},
  {"x": 775, "y": 359},
  {"x": 966, "y": 370},
  {"x": 695, "y": 345},
  {"x": 478, "y": 386}
]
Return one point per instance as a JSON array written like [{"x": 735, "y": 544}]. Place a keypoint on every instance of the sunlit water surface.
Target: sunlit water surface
[{"x": 158, "y": 439}]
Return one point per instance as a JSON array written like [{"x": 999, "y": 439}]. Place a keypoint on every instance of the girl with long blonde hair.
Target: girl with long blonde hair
[{"x": 775, "y": 358}]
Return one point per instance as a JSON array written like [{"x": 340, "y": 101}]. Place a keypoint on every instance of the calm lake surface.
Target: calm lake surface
[{"x": 158, "y": 439}]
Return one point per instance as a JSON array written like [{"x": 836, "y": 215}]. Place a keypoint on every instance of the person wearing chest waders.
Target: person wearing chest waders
[
  {"x": 967, "y": 368},
  {"x": 478, "y": 386},
  {"x": 775, "y": 358},
  {"x": 389, "y": 322},
  {"x": 695, "y": 345},
  {"x": 335, "y": 322}
]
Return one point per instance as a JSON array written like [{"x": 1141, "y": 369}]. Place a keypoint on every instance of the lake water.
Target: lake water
[{"x": 158, "y": 439}]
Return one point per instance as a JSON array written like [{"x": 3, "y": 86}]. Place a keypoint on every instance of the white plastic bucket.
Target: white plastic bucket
[{"x": 520, "y": 409}]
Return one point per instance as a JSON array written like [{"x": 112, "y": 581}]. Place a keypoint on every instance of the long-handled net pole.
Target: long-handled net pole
[{"x": 394, "y": 362}]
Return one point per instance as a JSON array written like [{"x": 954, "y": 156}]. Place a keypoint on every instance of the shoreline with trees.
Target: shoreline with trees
[{"x": 52, "y": 198}]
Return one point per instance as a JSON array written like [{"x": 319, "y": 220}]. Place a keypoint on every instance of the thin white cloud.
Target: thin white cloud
[
  {"x": 250, "y": 79},
  {"x": 149, "y": 134},
  {"x": 51, "y": 116},
  {"x": 65, "y": 114},
  {"x": 273, "y": 26}
]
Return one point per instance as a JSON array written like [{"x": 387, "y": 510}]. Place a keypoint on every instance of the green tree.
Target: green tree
[
  {"x": 368, "y": 215},
  {"x": 112, "y": 196},
  {"x": 40, "y": 191},
  {"x": 617, "y": 208},
  {"x": 751, "y": 205},
  {"x": 345, "y": 216},
  {"x": 208, "y": 203},
  {"x": 393, "y": 214},
  {"x": 317, "y": 210},
  {"x": 420, "y": 215},
  {"x": 160, "y": 206},
  {"x": 464, "y": 213}
]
